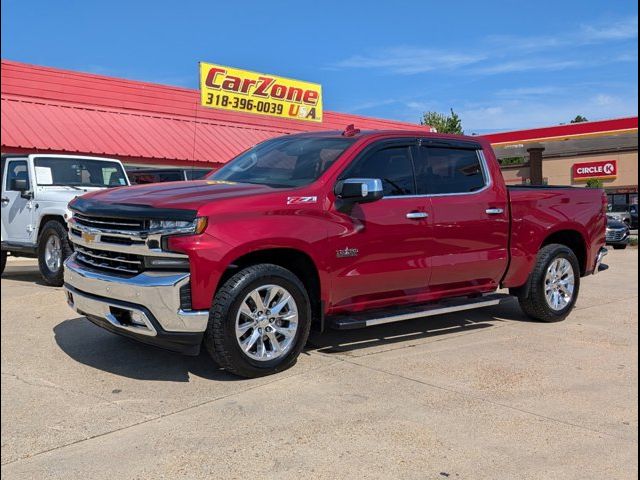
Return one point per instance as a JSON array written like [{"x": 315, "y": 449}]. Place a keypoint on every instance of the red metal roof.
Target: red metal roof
[
  {"x": 571, "y": 130},
  {"x": 48, "y": 109}
]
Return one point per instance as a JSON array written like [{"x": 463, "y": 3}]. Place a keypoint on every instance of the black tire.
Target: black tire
[
  {"x": 220, "y": 339},
  {"x": 3, "y": 262},
  {"x": 52, "y": 228},
  {"x": 619, "y": 247},
  {"x": 534, "y": 304}
]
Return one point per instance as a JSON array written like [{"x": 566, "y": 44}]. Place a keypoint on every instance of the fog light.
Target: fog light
[{"x": 138, "y": 319}]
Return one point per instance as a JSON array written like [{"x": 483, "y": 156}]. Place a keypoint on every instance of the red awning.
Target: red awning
[
  {"x": 40, "y": 126},
  {"x": 562, "y": 132},
  {"x": 47, "y": 109}
]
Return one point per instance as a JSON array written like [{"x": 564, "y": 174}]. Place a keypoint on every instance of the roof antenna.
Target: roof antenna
[{"x": 350, "y": 131}]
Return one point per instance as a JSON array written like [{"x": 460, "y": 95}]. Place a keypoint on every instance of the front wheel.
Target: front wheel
[
  {"x": 4, "y": 261},
  {"x": 53, "y": 250},
  {"x": 620, "y": 247},
  {"x": 259, "y": 321},
  {"x": 553, "y": 285}
]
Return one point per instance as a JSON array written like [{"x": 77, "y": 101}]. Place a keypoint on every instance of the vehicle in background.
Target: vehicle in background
[
  {"x": 36, "y": 190},
  {"x": 158, "y": 175},
  {"x": 341, "y": 230},
  {"x": 618, "y": 233},
  {"x": 624, "y": 213},
  {"x": 633, "y": 214}
]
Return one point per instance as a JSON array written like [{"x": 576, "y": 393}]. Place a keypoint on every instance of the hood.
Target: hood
[
  {"x": 187, "y": 195},
  {"x": 615, "y": 223}
]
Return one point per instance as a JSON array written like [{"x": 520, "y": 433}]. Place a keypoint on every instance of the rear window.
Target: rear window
[{"x": 196, "y": 174}]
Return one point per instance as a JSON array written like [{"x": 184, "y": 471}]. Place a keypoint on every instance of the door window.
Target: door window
[
  {"x": 392, "y": 165},
  {"x": 442, "y": 170},
  {"x": 16, "y": 170}
]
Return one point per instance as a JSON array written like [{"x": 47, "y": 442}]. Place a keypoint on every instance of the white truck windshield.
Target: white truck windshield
[{"x": 78, "y": 172}]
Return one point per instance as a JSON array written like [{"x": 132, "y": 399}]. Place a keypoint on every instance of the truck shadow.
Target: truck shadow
[
  {"x": 97, "y": 348},
  {"x": 24, "y": 273},
  {"x": 407, "y": 332}
]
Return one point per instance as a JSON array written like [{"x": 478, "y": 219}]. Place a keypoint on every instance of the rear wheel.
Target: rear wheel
[
  {"x": 553, "y": 285},
  {"x": 3, "y": 262},
  {"x": 259, "y": 321},
  {"x": 53, "y": 250}
]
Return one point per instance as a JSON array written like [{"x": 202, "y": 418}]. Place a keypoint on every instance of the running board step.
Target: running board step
[{"x": 389, "y": 315}]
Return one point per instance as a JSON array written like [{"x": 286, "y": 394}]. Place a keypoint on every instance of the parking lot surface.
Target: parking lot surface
[{"x": 481, "y": 394}]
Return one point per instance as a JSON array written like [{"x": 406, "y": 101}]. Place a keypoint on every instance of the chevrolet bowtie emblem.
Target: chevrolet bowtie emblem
[{"x": 88, "y": 237}]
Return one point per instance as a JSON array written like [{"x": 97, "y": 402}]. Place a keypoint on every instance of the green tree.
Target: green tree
[
  {"x": 579, "y": 119},
  {"x": 595, "y": 183},
  {"x": 443, "y": 123}
]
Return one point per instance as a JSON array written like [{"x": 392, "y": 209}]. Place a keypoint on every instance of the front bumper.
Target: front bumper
[
  {"x": 613, "y": 239},
  {"x": 145, "y": 307}
]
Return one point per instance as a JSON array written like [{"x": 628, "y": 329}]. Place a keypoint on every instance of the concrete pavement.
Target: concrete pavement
[{"x": 484, "y": 394}]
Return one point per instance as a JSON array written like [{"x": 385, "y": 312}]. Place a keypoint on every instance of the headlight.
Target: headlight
[
  {"x": 169, "y": 224},
  {"x": 169, "y": 227}
]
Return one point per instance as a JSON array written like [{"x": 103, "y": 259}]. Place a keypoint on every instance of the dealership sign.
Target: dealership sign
[
  {"x": 585, "y": 171},
  {"x": 238, "y": 90}
]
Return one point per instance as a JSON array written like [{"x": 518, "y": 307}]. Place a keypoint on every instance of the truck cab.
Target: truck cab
[{"x": 36, "y": 191}]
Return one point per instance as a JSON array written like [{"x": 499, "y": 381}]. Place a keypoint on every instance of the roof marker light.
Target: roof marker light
[{"x": 350, "y": 131}]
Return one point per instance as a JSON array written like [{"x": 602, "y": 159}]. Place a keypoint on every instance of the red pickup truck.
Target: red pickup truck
[{"x": 331, "y": 229}]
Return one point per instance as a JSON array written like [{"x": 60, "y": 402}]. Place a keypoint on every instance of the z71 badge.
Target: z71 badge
[{"x": 301, "y": 200}]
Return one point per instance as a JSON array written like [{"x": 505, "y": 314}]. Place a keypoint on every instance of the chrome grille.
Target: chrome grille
[
  {"x": 615, "y": 235},
  {"x": 108, "y": 223},
  {"x": 124, "y": 263}
]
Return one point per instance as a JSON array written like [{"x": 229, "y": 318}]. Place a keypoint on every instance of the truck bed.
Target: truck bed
[{"x": 538, "y": 212}]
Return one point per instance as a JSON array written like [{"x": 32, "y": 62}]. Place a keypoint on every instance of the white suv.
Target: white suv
[{"x": 36, "y": 190}]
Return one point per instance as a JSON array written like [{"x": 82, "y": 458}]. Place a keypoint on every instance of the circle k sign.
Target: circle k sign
[{"x": 585, "y": 171}]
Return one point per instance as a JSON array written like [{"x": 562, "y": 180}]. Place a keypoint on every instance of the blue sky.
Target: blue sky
[{"x": 500, "y": 65}]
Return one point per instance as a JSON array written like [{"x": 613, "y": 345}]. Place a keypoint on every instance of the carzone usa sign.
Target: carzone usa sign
[
  {"x": 585, "y": 171},
  {"x": 238, "y": 90}
]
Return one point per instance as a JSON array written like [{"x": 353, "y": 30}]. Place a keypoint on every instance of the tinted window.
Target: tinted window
[
  {"x": 140, "y": 178},
  {"x": 171, "y": 176},
  {"x": 448, "y": 170},
  {"x": 391, "y": 165},
  {"x": 284, "y": 161},
  {"x": 17, "y": 170},
  {"x": 196, "y": 174}
]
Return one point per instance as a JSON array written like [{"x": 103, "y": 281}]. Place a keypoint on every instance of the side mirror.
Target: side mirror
[
  {"x": 19, "y": 185},
  {"x": 359, "y": 190}
]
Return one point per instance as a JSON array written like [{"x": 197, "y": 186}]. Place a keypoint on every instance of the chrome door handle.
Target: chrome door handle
[
  {"x": 494, "y": 211},
  {"x": 417, "y": 215},
  {"x": 5, "y": 200}
]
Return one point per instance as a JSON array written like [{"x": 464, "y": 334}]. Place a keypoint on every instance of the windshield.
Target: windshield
[
  {"x": 79, "y": 172},
  {"x": 619, "y": 208},
  {"x": 284, "y": 161}
]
